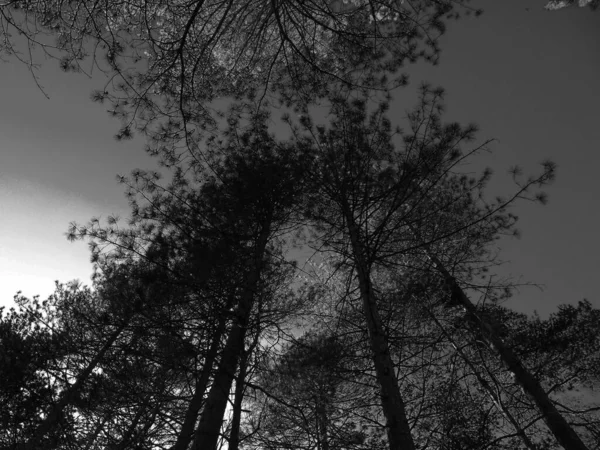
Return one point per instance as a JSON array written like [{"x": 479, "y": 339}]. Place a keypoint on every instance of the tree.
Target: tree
[
  {"x": 137, "y": 390},
  {"x": 344, "y": 188},
  {"x": 92, "y": 370},
  {"x": 305, "y": 397},
  {"x": 26, "y": 346},
  {"x": 563, "y": 353},
  {"x": 377, "y": 207},
  {"x": 441, "y": 380},
  {"x": 216, "y": 231},
  {"x": 485, "y": 408},
  {"x": 167, "y": 61},
  {"x": 360, "y": 186},
  {"x": 116, "y": 367},
  {"x": 186, "y": 293}
]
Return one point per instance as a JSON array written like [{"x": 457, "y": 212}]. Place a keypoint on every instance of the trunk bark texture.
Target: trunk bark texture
[
  {"x": 398, "y": 429},
  {"x": 187, "y": 430},
  {"x": 207, "y": 433},
  {"x": 234, "y": 437}
]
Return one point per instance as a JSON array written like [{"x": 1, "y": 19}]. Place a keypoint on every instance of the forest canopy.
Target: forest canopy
[{"x": 202, "y": 330}]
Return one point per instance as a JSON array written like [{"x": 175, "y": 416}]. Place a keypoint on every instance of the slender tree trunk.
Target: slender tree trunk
[
  {"x": 398, "y": 429},
  {"x": 207, "y": 434},
  {"x": 51, "y": 420},
  {"x": 557, "y": 424},
  {"x": 234, "y": 437},
  {"x": 211, "y": 420},
  {"x": 187, "y": 430}
]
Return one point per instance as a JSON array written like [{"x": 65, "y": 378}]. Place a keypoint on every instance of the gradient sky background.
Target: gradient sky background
[{"x": 528, "y": 77}]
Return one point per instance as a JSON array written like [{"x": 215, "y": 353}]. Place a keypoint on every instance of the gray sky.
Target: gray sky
[
  {"x": 531, "y": 79},
  {"x": 528, "y": 78}
]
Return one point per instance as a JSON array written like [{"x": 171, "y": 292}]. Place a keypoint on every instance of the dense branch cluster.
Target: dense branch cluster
[
  {"x": 167, "y": 62},
  {"x": 200, "y": 331}
]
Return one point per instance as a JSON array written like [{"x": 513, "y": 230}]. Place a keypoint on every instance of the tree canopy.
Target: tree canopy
[
  {"x": 201, "y": 330},
  {"x": 197, "y": 305},
  {"x": 252, "y": 51}
]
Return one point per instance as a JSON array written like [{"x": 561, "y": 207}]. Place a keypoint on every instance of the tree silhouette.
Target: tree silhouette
[
  {"x": 193, "y": 301},
  {"x": 375, "y": 207},
  {"x": 168, "y": 61},
  {"x": 306, "y": 398},
  {"x": 216, "y": 233}
]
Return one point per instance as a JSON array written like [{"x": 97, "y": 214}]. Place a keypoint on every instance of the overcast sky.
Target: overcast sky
[{"x": 526, "y": 76}]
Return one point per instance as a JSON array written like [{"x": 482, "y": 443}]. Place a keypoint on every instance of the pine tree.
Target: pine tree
[
  {"x": 381, "y": 209},
  {"x": 170, "y": 61}
]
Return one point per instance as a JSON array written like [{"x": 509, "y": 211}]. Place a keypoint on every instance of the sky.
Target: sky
[{"x": 528, "y": 77}]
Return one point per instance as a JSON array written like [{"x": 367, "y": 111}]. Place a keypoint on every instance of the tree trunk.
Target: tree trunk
[
  {"x": 187, "y": 430},
  {"x": 398, "y": 430},
  {"x": 557, "y": 424},
  {"x": 234, "y": 437},
  {"x": 207, "y": 433}
]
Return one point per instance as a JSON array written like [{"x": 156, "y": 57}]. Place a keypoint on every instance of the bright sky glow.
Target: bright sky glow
[
  {"x": 33, "y": 250},
  {"x": 58, "y": 162}
]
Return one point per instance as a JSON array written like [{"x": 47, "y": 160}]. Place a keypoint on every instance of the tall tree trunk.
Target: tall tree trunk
[
  {"x": 557, "y": 424},
  {"x": 211, "y": 420},
  {"x": 207, "y": 434},
  {"x": 234, "y": 437},
  {"x": 69, "y": 394},
  {"x": 398, "y": 430},
  {"x": 191, "y": 415},
  {"x": 240, "y": 384}
]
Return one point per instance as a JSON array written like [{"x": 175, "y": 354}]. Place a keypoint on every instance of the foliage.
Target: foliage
[
  {"x": 306, "y": 397},
  {"x": 196, "y": 296},
  {"x": 26, "y": 348},
  {"x": 169, "y": 63},
  {"x": 563, "y": 352},
  {"x": 196, "y": 299}
]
